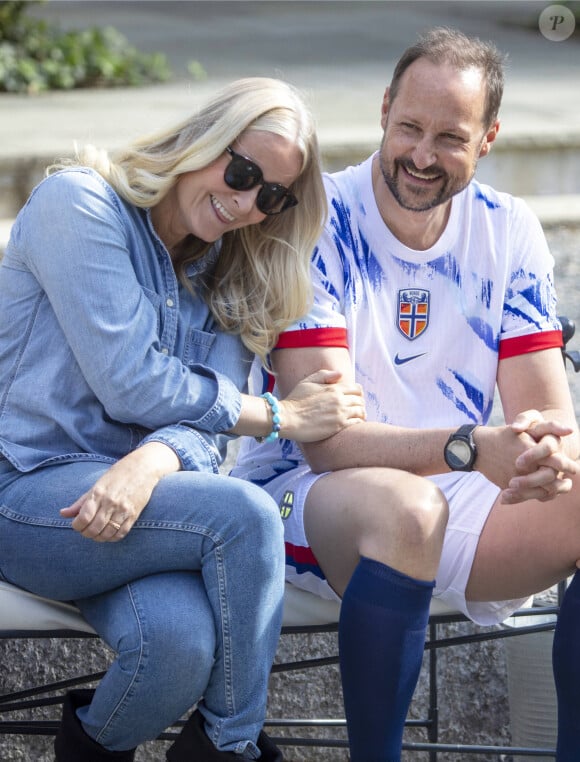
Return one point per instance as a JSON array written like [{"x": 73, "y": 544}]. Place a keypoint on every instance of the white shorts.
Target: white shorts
[{"x": 470, "y": 497}]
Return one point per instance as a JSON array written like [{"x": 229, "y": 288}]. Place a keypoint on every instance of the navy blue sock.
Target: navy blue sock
[
  {"x": 381, "y": 634},
  {"x": 566, "y": 659}
]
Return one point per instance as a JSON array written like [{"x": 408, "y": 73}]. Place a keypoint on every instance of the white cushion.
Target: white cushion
[
  {"x": 20, "y": 610},
  {"x": 302, "y": 607}
]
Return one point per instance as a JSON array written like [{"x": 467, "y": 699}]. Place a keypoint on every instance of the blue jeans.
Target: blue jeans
[{"x": 190, "y": 600}]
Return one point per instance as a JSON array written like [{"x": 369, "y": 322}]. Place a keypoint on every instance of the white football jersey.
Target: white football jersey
[{"x": 425, "y": 329}]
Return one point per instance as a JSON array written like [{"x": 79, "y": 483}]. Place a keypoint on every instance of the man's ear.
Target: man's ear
[
  {"x": 385, "y": 108},
  {"x": 490, "y": 136}
]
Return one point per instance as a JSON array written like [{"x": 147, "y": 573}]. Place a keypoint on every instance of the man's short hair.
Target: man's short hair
[{"x": 445, "y": 45}]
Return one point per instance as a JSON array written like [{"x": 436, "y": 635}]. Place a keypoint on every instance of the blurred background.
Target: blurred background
[{"x": 340, "y": 53}]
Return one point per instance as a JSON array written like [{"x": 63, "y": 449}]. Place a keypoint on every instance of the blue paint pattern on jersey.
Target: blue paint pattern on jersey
[
  {"x": 320, "y": 265},
  {"x": 488, "y": 202},
  {"x": 449, "y": 394},
  {"x": 409, "y": 268},
  {"x": 486, "y": 292},
  {"x": 448, "y": 268},
  {"x": 484, "y": 331},
  {"x": 473, "y": 394},
  {"x": 278, "y": 468},
  {"x": 342, "y": 237}
]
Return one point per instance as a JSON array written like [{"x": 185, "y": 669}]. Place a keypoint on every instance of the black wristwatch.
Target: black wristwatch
[{"x": 460, "y": 451}]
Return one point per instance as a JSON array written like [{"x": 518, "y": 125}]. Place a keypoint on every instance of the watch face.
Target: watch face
[{"x": 458, "y": 453}]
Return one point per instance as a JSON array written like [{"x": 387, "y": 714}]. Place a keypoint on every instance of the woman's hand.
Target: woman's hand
[
  {"x": 108, "y": 511},
  {"x": 320, "y": 406}
]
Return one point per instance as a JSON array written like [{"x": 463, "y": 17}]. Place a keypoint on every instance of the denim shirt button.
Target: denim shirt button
[
  {"x": 170, "y": 302},
  {"x": 165, "y": 351}
]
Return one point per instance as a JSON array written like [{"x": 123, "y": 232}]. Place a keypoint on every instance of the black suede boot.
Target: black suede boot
[
  {"x": 194, "y": 745},
  {"x": 72, "y": 744}
]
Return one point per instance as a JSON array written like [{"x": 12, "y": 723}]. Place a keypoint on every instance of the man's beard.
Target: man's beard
[{"x": 447, "y": 190}]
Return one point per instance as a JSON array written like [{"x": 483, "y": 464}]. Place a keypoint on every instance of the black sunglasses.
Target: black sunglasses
[{"x": 243, "y": 174}]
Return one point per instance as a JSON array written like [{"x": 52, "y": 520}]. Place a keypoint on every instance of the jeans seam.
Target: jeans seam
[
  {"x": 177, "y": 526},
  {"x": 117, "y": 711},
  {"x": 226, "y": 629}
]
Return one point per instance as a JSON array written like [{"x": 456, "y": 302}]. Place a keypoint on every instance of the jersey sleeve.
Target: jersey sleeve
[
  {"x": 529, "y": 321},
  {"x": 325, "y": 323}
]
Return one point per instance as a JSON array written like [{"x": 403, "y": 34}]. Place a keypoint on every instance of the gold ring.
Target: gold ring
[{"x": 114, "y": 524}]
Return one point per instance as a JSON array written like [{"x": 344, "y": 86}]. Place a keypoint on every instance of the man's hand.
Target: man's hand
[{"x": 544, "y": 469}]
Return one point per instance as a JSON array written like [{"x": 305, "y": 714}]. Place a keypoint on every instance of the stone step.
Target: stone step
[
  {"x": 556, "y": 210},
  {"x": 523, "y": 165},
  {"x": 551, "y": 210}
]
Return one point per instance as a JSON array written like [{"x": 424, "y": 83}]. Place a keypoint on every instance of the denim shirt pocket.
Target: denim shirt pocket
[{"x": 197, "y": 346}]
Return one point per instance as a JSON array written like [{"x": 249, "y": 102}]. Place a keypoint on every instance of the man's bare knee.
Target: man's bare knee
[
  {"x": 424, "y": 516},
  {"x": 406, "y": 529}
]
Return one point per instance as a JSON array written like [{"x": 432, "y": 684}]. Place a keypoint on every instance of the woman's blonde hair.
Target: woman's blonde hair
[{"x": 261, "y": 283}]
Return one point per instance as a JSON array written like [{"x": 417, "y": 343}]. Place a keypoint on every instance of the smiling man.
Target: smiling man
[{"x": 430, "y": 289}]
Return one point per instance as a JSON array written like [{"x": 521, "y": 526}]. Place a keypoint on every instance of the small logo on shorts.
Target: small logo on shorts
[{"x": 287, "y": 504}]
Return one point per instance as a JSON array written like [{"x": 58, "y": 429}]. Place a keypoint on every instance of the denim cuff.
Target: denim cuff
[{"x": 195, "y": 451}]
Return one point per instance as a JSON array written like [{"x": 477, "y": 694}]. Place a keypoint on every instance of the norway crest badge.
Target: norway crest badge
[{"x": 413, "y": 312}]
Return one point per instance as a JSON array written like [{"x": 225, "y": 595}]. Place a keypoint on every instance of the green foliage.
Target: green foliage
[{"x": 35, "y": 56}]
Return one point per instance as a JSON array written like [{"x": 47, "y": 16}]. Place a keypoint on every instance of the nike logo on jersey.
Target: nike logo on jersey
[{"x": 403, "y": 360}]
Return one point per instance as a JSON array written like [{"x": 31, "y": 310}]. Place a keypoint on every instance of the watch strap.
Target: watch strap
[{"x": 464, "y": 433}]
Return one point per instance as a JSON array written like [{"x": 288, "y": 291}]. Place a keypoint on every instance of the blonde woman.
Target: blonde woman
[{"x": 136, "y": 290}]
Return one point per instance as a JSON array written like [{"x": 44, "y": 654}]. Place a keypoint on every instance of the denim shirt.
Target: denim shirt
[{"x": 101, "y": 348}]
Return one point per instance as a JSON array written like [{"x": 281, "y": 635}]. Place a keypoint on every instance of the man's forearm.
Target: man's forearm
[{"x": 419, "y": 451}]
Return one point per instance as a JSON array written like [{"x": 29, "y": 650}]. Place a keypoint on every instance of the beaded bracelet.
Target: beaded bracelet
[{"x": 276, "y": 419}]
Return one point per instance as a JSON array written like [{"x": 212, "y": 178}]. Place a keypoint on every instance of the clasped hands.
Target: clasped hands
[{"x": 544, "y": 470}]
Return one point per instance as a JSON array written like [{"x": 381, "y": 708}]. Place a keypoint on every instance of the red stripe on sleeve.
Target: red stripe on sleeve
[
  {"x": 313, "y": 337},
  {"x": 534, "y": 342}
]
